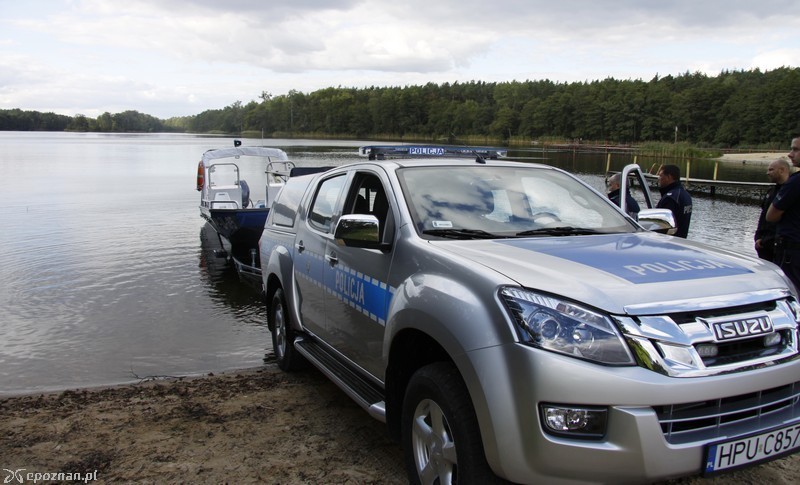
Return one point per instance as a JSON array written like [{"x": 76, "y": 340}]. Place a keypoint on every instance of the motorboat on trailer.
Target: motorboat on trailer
[
  {"x": 231, "y": 207},
  {"x": 226, "y": 200}
]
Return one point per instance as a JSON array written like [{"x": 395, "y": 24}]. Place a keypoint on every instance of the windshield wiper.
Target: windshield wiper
[
  {"x": 462, "y": 233},
  {"x": 559, "y": 231}
]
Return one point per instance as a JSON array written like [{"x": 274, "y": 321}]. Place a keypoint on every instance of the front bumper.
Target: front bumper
[{"x": 507, "y": 384}]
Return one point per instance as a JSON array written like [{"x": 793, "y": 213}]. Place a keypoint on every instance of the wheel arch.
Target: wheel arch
[
  {"x": 462, "y": 322},
  {"x": 411, "y": 350},
  {"x": 272, "y": 285}
]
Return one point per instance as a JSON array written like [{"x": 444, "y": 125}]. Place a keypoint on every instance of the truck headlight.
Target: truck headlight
[{"x": 561, "y": 326}]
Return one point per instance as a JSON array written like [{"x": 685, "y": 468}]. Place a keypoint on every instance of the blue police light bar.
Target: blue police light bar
[{"x": 379, "y": 152}]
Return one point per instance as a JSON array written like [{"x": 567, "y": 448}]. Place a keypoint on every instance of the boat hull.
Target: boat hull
[{"x": 240, "y": 227}]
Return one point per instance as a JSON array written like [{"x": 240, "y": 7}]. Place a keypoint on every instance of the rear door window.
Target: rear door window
[
  {"x": 323, "y": 208},
  {"x": 284, "y": 210}
]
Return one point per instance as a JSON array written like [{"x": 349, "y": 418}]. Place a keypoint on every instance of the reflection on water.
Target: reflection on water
[
  {"x": 109, "y": 271},
  {"x": 103, "y": 272},
  {"x": 221, "y": 279}
]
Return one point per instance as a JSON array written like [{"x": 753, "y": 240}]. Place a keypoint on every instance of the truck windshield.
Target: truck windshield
[{"x": 456, "y": 201}]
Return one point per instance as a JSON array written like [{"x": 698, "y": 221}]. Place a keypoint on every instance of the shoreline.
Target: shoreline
[{"x": 135, "y": 381}]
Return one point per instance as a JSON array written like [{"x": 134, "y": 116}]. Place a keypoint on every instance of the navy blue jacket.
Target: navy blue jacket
[
  {"x": 788, "y": 200},
  {"x": 765, "y": 230},
  {"x": 675, "y": 198}
]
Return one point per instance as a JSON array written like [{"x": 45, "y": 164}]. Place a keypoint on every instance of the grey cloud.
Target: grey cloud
[
  {"x": 291, "y": 37},
  {"x": 588, "y": 15},
  {"x": 202, "y": 53}
]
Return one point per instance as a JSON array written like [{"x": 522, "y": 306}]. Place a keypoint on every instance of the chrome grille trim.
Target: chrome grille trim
[{"x": 683, "y": 344}]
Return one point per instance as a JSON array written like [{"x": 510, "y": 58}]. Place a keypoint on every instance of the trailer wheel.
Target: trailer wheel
[{"x": 283, "y": 335}]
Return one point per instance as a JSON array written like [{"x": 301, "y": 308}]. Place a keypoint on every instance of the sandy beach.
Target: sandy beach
[
  {"x": 759, "y": 157},
  {"x": 253, "y": 426}
]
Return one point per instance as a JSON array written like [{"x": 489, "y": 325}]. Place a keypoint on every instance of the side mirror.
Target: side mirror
[
  {"x": 359, "y": 231},
  {"x": 657, "y": 220}
]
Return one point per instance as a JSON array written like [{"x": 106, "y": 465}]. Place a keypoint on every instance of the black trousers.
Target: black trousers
[{"x": 788, "y": 258}]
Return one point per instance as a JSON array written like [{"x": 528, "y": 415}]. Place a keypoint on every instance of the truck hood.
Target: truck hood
[{"x": 615, "y": 271}]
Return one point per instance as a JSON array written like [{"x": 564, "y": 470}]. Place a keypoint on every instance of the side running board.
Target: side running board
[{"x": 368, "y": 395}]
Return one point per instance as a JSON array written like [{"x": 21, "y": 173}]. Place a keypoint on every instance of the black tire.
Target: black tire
[
  {"x": 283, "y": 335},
  {"x": 440, "y": 435}
]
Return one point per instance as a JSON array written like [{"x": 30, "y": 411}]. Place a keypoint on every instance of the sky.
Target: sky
[{"x": 171, "y": 58}]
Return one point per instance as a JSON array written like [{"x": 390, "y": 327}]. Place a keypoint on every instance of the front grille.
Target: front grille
[
  {"x": 740, "y": 350},
  {"x": 704, "y": 420},
  {"x": 686, "y": 344}
]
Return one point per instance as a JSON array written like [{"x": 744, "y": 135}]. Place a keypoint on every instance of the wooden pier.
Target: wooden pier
[
  {"x": 727, "y": 189},
  {"x": 749, "y": 191}
]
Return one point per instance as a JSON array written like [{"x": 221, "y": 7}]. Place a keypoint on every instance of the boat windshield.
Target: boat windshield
[
  {"x": 469, "y": 202},
  {"x": 223, "y": 173}
]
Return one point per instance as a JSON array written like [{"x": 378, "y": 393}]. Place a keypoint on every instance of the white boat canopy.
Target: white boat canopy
[{"x": 215, "y": 154}]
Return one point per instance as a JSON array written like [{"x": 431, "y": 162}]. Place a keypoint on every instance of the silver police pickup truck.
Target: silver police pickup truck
[{"x": 508, "y": 322}]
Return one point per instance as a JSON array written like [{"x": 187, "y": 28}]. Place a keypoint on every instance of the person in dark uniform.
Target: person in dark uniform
[
  {"x": 785, "y": 211},
  {"x": 675, "y": 198},
  {"x": 631, "y": 206},
  {"x": 777, "y": 173}
]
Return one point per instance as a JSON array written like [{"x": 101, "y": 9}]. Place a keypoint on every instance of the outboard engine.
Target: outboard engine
[{"x": 245, "y": 193}]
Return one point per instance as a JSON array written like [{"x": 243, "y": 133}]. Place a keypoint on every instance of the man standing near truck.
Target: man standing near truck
[
  {"x": 675, "y": 198},
  {"x": 777, "y": 172},
  {"x": 785, "y": 211}
]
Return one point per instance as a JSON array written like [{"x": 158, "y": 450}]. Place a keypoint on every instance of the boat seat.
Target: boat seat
[{"x": 223, "y": 200}]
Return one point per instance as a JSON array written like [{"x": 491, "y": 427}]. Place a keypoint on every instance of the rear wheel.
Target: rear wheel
[
  {"x": 441, "y": 440},
  {"x": 283, "y": 335}
]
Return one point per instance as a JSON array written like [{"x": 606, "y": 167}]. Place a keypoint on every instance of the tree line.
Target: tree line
[
  {"x": 125, "y": 122},
  {"x": 735, "y": 108}
]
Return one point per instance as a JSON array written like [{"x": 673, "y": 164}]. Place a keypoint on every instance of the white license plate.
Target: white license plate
[{"x": 753, "y": 449}]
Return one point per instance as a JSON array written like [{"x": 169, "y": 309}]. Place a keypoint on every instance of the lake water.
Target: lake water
[{"x": 107, "y": 269}]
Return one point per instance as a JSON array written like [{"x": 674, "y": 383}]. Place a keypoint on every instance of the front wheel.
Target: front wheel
[
  {"x": 283, "y": 335},
  {"x": 440, "y": 436}
]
